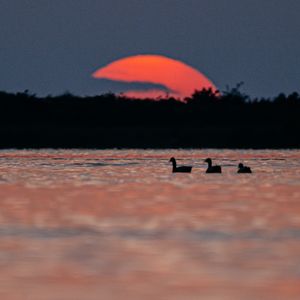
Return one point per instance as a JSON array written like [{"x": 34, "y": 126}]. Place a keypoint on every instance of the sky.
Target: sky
[{"x": 53, "y": 46}]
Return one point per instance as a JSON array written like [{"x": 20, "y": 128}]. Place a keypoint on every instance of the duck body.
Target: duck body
[
  {"x": 244, "y": 169},
  {"x": 214, "y": 169},
  {"x": 181, "y": 169},
  {"x": 211, "y": 168}
]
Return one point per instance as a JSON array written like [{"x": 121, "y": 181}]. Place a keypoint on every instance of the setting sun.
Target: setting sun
[{"x": 179, "y": 79}]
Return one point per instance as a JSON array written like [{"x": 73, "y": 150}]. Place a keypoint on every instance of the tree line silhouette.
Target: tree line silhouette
[{"x": 205, "y": 120}]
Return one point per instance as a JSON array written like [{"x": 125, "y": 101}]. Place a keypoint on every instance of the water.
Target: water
[{"x": 117, "y": 224}]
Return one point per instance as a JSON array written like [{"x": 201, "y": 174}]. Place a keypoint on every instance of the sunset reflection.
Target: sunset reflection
[{"x": 77, "y": 222}]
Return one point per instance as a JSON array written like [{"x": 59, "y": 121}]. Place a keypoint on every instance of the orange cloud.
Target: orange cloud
[{"x": 179, "y": 79}]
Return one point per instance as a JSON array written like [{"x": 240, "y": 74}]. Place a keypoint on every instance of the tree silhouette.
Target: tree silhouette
[{"x": 206, "y": 119}]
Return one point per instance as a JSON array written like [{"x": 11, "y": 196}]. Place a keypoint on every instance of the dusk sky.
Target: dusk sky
[{"x": 53, "y": 46}]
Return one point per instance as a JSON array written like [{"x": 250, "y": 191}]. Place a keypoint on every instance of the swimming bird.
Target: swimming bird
[
  {"x": 243, "y": 169},
  {"x": 182, "y": 169},
  {"x": 211, "y": 168}
]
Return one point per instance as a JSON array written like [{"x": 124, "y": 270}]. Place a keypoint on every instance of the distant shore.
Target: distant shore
[{"x": 204, "y": 120}]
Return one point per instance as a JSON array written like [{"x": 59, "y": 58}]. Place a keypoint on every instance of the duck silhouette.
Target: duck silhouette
[
  {"x": 243, "y": 169},
  {"x": 211, "y": 168},
  {"x": 181, "y": 169}
]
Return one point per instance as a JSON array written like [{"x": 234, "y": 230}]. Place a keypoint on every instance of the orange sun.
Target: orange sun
[{"x": 179, "y": 79}]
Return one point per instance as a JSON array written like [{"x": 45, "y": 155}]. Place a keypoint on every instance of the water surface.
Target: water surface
[{"x": 117, "y": 224}]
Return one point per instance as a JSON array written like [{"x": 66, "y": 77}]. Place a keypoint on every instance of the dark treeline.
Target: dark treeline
[{"x": 205, "y": 120}]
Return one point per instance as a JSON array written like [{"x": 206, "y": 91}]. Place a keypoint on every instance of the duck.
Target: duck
[
  {"x": 182, "y": 169},
  {"x": 211, "y": 168},
  {"x": 243, "y": 169}
]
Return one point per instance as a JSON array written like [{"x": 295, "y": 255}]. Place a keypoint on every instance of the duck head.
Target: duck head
[
  {"x": 241, "y": 166},
  {"x": 208, "y": 160},
  {"x": 172, "y": 160}
]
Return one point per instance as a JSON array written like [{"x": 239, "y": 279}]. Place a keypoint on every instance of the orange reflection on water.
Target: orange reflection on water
[{"x": 119, "y": 225}]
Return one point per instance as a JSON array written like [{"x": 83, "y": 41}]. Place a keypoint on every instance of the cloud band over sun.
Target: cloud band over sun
[{"x": 179, "y": 79}]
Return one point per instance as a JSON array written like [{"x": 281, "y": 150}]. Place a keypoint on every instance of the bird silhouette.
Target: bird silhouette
[
  {"x": 181, "y": 169},
  {"x": 211, "y": 168},
  {"x": 243, "y": 169}
]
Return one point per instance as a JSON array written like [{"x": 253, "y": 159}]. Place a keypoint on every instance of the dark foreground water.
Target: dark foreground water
[{"x": 119, "y": 225}]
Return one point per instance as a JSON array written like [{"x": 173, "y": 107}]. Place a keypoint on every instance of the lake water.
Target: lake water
[{"x": 117, "y": 224}]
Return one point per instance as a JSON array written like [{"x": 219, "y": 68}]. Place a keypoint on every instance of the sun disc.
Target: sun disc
[{"x": 180, "y": 79}]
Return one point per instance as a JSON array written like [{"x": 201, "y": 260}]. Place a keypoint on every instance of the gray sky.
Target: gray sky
[{"x": 52, "y": 46}]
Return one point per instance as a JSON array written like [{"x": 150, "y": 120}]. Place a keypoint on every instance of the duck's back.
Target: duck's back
[
  {"x": 214, "y": 169},
  {"x": 183, "y": 169},
  {"x": 245, "y": 170}
]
